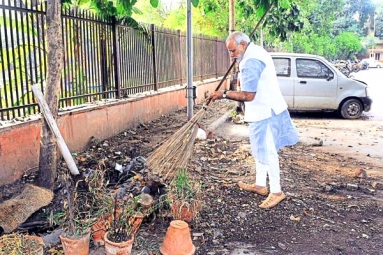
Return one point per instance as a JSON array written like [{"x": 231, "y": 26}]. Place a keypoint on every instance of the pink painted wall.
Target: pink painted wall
[{"x": 20, "y": 143}]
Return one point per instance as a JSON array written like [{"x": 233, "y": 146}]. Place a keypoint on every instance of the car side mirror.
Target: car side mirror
[{"x": 330, "y": 76}]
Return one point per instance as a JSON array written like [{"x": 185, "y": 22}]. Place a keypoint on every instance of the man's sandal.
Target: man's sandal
[
  {"x": 272, "y": 200},
  {"x": 253, "y": 188}
]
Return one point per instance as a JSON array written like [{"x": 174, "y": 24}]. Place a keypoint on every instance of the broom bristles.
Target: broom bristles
[{"x": 176, "y": 151}]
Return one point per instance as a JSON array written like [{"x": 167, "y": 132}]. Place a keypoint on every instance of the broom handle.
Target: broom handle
[{"x": 232, "y": 64}]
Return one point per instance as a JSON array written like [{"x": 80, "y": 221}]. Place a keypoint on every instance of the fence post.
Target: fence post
[
  {"x": 116, "y": 59},
  {"x": 201, "y": 54},
  {"x": 216, "y": 57},
  {"x": 180, "y": 54},
  {"x": 154, "y": 57},
  {"x": 104, "y": 71}
]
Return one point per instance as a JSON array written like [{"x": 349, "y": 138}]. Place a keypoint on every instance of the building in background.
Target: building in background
[{"x": 376, "y": 52}]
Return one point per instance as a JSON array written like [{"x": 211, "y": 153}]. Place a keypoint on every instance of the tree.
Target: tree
[
  {"x": 119, "y": 10},
  {"x": 378, "y": 21},
  {"x": 348, "y": 45},
  {"x": 48, "y": 145},
  {"x": 322, "y": 14},
  {"x": 354, "y": 17}
]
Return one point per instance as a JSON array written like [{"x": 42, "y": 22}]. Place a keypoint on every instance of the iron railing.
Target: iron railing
[{"x": 102, "y": 59}]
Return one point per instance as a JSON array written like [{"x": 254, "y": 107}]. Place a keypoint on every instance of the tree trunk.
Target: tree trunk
[
  {"x": 231, "y": 16},
  {"x": 48, "y": 145}
]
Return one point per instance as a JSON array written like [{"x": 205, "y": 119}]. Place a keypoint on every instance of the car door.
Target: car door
[
  {"x": 314, "y": 86},
  {"x": 286, "y": 82}
]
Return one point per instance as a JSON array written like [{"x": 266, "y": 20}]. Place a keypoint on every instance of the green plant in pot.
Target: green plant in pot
[
  {"x": 86, "y": 201},
  {"x": 101, "y": 202},
  {"x": 77, "y": 220},
  {"x": 185, "y": 196},
  {"x": 120, "y": 236}
]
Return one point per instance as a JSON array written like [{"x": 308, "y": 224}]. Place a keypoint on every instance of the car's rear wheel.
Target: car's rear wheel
[{"x": 351, "y": 109}]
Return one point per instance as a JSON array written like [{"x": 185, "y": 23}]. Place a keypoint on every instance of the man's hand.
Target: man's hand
[
  {"x": 215, "y": 95},
  {"x": 239, "y": 96}
]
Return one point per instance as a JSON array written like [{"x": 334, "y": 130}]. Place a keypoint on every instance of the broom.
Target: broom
[{"x": 176, "y": 151}]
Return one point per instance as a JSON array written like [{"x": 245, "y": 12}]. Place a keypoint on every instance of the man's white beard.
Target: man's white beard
[{"x": 238, "y": 59}]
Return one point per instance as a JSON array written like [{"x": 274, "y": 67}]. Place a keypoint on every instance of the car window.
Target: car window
[
  {"x": 282, "y": 66},
  {"x": 309, "y": 68}
]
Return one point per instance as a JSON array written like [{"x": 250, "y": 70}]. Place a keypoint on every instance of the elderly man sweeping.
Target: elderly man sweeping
[{"x": 270, "y": 125}]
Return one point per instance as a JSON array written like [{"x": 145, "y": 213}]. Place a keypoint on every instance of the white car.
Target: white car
[
  {"x": 311, "y": 83},
  {"x": 373, "y": 63}
]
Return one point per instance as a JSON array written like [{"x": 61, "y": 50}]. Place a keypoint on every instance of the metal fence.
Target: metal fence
[{"x": 102, "y": 59}]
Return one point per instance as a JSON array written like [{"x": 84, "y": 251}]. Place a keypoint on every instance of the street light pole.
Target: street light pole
[{"x": 189, "y": 50}]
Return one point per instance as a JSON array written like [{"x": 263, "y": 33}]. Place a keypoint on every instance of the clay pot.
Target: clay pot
[
  {"x": 177, "y": 240},
  {"x": 146, "y": 202},
  {"x": 182, "y": 211},
  {"x": 76, "y": 245},
  {"x": 100, "y": 227},
  {"x": 136, "y": 222},
  {"x": 26, "y": 244},
  {"x": 98, "y": 231},
  {"x": 123, "y": 248}
]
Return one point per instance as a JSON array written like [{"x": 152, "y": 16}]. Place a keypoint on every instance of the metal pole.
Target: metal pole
[
  {"x": 189, "y": 49},
  {"x": 152, "y": 28}
]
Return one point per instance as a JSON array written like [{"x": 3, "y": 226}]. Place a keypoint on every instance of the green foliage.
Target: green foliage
[
  {"x": 348, "y": 45},
  {"x": 378, "y": 21},
  {"x": 369, "y": 42},
  {"x": 354, "y": 17},
  {"x": 183, "y": 188},
  {"x": 322, "y": 14},
  {"x": 176, "y": 20},
  {"x": 121, "y": 227},
  {"x": 195, "y": 2},
  {"x": 211, "y": 18},
  {"x": 154, "y": 3},
  {"x": 284, "y": 16},
  {"x": 283, "y": 20},
  {"x": 87, "y": 199}
]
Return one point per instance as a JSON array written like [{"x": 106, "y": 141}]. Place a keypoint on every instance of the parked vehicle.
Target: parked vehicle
[
  {"x": 373, "y": 63},
  {"x": 365, "y": 65},
  {"x": 311, "y": 83},
  {"x": 344, "y": 67}
]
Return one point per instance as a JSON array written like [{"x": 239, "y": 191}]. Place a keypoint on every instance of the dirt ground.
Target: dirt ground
[{"x": 330, "y": 208}]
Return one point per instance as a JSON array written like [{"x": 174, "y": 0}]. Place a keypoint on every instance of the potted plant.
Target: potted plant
[
  {"x": 119, "y": 237},
  {"x": 20, "y": 244},
  {"x": 87, "y": 200},
  {"x": 102, "y": 203},
  {"x": 185, "y": 196},
  {"x": 77, "y": 221}
]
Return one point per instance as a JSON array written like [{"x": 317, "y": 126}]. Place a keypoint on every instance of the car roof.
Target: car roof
[{"x": 294, "y": 54}]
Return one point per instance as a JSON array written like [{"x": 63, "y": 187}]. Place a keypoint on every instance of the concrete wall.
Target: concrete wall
[{"x": 20, "y": 143}]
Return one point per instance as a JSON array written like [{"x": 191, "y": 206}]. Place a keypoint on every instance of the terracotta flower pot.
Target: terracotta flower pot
[
  {"x": 98, "y": 231},
  {"x": 177, "y": 240},
  {"x": 136, "y": 222},
  {"x": 123, "y": 248},
  {"x": 100, "y": 227},
  {"x": 182, "y": 211},
  {"x": 76, "y": 245}
]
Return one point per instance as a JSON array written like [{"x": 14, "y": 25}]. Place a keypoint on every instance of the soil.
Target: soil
[{"x": 333, "y": 205}]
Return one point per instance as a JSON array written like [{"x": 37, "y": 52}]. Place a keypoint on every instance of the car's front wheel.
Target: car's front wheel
[{"x": 351, "y": 109}]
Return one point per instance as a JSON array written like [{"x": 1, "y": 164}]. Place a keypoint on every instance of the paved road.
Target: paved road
[{"x": 374, "y": 78}]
